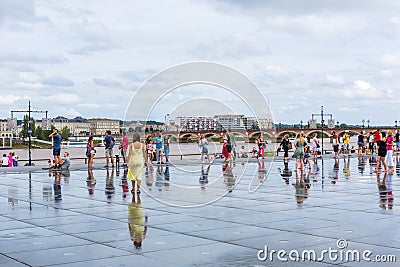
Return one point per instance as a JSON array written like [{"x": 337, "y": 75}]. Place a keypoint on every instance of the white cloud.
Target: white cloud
[
  {"x": 317, "y": 24},
  {"x": 395, "y": 20},
  {"x": 9, "y": 99},
  {"x": 348, "y": 109},
  {"x": 391, "y": 59},
  {"x": 62, "y": 99},
  {"x": 335, "y": 79},
  {"x": 386, "y": 73},
  {"x": 68, "y": 112},
  {"x": 276, "y": 71}
]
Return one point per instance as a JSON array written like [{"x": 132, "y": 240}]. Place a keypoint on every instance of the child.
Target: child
[{"x": 4, "y": 161}]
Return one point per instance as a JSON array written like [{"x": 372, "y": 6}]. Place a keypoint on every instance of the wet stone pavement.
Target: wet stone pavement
[{"x": 199, "y": 215}]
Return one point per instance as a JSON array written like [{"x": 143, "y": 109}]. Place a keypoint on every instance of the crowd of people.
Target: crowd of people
[
  {"x": 10, "y": 160},
  {"x": 383, "y": 144}
]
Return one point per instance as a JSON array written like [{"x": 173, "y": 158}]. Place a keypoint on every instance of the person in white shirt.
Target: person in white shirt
[{"x": 4, "y": 161}]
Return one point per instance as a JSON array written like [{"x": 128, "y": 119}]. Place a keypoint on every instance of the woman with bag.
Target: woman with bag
[
  {"x": 136, "y": 160},
  {"x": 90, "y": 151},
  {"x": 261, "y": 146},
  {"x": 299, "y": 151}
]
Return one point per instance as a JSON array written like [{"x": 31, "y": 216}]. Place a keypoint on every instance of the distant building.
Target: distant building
[
  {"x": 99, "y": 126},
  {"x": 196, "y": 124},
  {"x": 4, "y": 131},
  {"x": 221, "y": 123},
  {"x": 233, "y": 122}
]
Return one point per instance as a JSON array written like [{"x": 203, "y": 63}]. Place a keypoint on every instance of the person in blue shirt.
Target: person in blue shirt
[
  {"x": 56, "y": 147},
  {"x": 109, "y": 144},
  {"x": 159, "y": 140}
]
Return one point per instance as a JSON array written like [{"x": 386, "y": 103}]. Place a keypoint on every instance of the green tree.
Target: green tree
[
  {"x": 25, "y": 127},
  {"x": 65, "y": 133},
  {"x": 39, "y": 133},
  {"x": 46, "y": 133}
]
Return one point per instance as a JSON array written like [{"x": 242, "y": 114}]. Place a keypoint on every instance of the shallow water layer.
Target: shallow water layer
[{"x": 193, "y": 214}]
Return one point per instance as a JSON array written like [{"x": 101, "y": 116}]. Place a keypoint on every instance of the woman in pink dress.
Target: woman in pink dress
[{"x": 10, "y": 159}]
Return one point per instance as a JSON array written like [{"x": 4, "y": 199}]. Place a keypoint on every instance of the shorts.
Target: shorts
[
  {"x": 229, "y": 148},
  {"x": 56, "y": 151},
  {"x": 346, "y": 146},
  {"x": 397, "y": 144},
  {"x": 159, "y": 152},
  {"x": 336, "y": 148},
  {"x": 389, "y": 158},
  {"x": 109, "y": 152},
  {"x": 204, "y": 150},
  {"x": 382, "y": 153},
  {"x": 360, "y": 144}
]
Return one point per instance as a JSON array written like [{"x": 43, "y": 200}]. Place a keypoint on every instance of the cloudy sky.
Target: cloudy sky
[{"x": 89, "y": 58}]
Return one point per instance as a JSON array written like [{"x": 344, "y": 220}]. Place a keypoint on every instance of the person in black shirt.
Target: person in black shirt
[{"x": 285, "y": 145}]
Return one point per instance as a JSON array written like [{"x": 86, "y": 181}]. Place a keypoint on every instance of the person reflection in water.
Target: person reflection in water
[
  {"x": 262, "y": 172},
  {"x": 382, "y": 190},
  {"x": 124, "y": 183},
  {"x": 57, "y": 185},
  {"x": 203, "y": 180},
  {"x": 301, "y": 188},
  {"x": 346, "y": 167},
  {"x": 286, "y": 173},
  {"x": 398, "y": 165},
  {"x": 110, "y": 188},
  {"x": 229, "y": 178},
  {"x": 160, "y": 177},
  {"x": 137, "y": 223},
  {"x": 90, "y": 182},
  {"x": 166, "y": 176},
  {"x": 149, "y": 176},
  {"x": 335, "y": 172}
]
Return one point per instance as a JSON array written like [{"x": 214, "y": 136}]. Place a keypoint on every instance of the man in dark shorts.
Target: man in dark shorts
[
  {"x": 56, "y": 147},
  {"x": 231, "y": 143}
]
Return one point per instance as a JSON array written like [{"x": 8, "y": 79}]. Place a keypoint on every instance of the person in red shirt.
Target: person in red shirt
[{"x": 377, "y": 138}]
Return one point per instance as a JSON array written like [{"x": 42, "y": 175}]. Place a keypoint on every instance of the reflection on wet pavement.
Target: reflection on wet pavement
[{"x": 90, "y": 217}]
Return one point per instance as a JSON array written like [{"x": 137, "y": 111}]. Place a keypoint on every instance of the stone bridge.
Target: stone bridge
[{"x": 273, "y": 134}]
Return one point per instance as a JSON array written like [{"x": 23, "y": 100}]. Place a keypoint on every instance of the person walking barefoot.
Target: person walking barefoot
[
  {"x": 381, "y": 153},
  {"x": 136, "y": 160}
]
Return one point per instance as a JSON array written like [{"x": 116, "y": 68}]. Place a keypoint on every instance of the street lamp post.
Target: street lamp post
[
  {"x": 29, "y": 111},
  {"x": 301, "y": 124},
  {"x": 368, "y": 121},
  {"x": 395, "y": 123},
  {"x": 363, "y": 121},
  {"x": 322, "y": 114},
  {"x": 337, "y": 124}
]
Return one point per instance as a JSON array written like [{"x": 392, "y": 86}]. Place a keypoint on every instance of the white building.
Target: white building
[{"x": 99, "y": 126}]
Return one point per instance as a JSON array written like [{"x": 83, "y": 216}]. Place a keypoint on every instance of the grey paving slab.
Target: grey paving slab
[
  {"x": 67, "y": 255},
  {"x": 9, "y": 262},
  {"x": 41, "y": 243},
  {"x": 204, "y": 254},
  {"x": 122, "y": 261}
]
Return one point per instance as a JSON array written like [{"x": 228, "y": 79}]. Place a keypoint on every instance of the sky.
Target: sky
[{"x": 89, "y": 58}]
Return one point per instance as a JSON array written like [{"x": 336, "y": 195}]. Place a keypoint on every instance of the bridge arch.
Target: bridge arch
[
  {"x": 291, "y": 134},
  {"x": 256, "y": 134},
  {"x": 327, "y": 134},
  {"x": 351, "y": 132},
  {"x": 188, "y": 135}
]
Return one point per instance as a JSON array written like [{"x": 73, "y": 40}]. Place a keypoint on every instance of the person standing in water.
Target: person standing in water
[{"x": 136, "y": 161}]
